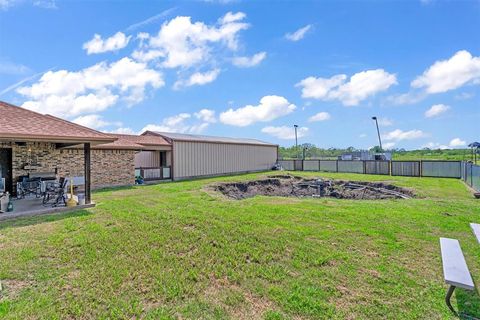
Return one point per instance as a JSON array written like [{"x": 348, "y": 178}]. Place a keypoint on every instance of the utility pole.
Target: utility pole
[
  {"x": 378, "y": 132},
  {"x": 296, "y": 141}
]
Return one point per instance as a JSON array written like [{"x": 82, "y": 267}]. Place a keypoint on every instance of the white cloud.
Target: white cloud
[
  {"x": 7, "y": 67},
  {"x": 181, "y": 43},
  {"x": 360, "y": 86},
  {"x": 284, "y": 132},
  {"x": 206, "y": 115},
  {"x": 45, "y": 4},
  {"x": 90, "y": 90},
  {"x": 198, "y": 78},
  {"x": 93, "y": 121},
  {"x": 362, "y": 135},
  {"x": 436, "y": 110},
  {"x": 445, "y": 75},
  {"x": 232, "y": 17},
  {"x": 247, "y": 62},
  {"x": 435, "y": 145},
  {"x": 270, "y": 108},
  {"x": 321, "y": 116},
  {"x": 388, "y": 145},
  {"x": 457, "y": 142},
  {"x": 399, "y": 135},
  {"x": 179, "y": 123},
  {"x": 123, "y": 130},
  {"x": 454, "y": 143},
  {"x": 406, "y": 98},
  {"x": 299, "y": 34},
  {"x": 98, "y": 45},
  {"x": 385, "y": 122}
]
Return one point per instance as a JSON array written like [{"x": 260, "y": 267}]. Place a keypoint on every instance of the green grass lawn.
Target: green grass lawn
[{"x": 179, "y": 250}]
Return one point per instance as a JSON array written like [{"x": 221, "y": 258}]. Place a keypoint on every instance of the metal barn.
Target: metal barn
[{"x": 203, "y": 156}]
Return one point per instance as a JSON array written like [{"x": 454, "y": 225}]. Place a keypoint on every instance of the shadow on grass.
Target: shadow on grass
[
  {"x": 33, "y": 220},
  {"x": 468, "y": 303}
]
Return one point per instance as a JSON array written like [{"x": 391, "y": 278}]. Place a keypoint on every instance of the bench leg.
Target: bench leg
[{"x": 448, "y": 297}]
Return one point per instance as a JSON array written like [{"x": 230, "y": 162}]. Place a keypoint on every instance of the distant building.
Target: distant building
[{"x": 365, "y": 155}]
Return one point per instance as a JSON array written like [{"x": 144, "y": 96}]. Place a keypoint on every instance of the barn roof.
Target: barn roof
[{"x": 202, "y": 138}]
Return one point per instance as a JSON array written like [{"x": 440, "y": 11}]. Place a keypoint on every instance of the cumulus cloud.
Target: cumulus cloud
[
  {"x": 123, "y": 130},
  {"x": 388, "y": 145},
  {"x": 206, "y": 115},
  {"x": 180, "y": 123},
  {"x": 399, "y": 135},
  {"x": 284, "y": 132},
  {"x": 299, "y": 34},
  {"x": 444, "y": 75},
  {"x": 94, "y": 121},
  {"x": 270, "y": 108},
  {"x": 359, "y": 87},
  {"x": 435, "y": 145},
  {"x": 321, "y": 116},
  {"x": 436, "y": 110},
  {"x": 198, "y": 78},
  {"x": 71, "y": 93},
  {"x": 183, "y": 43},
  {"x": 248, "y": 62},
  {"x": 457, "y": 142},
  {"x": 385, "y": 122},
  {"x": 98, "y": 45},
  {"x": 454, "y": 143}
]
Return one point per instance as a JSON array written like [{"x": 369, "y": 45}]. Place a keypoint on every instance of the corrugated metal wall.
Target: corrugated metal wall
[
  {"x": 328, "y": 165},
  {"x": 406, "y": 168},
  {"x": 350, "y": 166},
  {"x": 287, "y": 164},
  {"x": 196, "y": 159},
  {"x": 377, "y": 167},
  {"x": 147, "y": 159},
  {"x": 445, "y": 169},
  {"x": 311, "y": 165}
]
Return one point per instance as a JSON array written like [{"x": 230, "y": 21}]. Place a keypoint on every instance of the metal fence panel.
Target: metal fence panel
[
  {"x": 406, "y": 168},
  {"x": 377, "y": 167},
  {"x": 352, "y": 166},
  {"x": 311, "y": 165},
  {"x": 298, "y": 165},
  {"x": 444, "y": 169},
  {"x": 475, "y": 177},
  {"x": 287, "y": 164},
  {"x": 328, "y": 165}
]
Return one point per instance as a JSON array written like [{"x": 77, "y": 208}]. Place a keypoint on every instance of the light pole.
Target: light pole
[
  {"x": 296, "y": 141},
  {"x": 378, "y": 132}
]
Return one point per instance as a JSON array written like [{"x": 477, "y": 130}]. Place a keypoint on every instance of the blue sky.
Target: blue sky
[{"x": 251, "y": 69}]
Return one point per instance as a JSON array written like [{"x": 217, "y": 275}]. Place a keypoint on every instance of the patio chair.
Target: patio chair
[
  {"x": 55, "y": 193},
  {"x": 28, "y": 187}
]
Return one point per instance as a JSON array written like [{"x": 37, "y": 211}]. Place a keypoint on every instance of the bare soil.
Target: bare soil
[{"x": 291, "y": 186}]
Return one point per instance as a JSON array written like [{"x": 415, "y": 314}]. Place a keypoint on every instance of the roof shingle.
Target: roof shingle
[{"x": 20, "y": 123}]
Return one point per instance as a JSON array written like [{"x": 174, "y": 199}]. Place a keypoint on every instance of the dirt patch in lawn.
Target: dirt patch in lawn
[{"x": 291, "y": 186}]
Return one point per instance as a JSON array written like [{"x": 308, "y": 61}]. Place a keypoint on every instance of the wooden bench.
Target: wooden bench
[
  {"x": 455, "y": 269},
  {"x": 476, "y": 230}
]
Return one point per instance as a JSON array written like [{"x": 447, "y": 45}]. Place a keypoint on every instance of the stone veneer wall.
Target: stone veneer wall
[{"x": 108, "y": 167}]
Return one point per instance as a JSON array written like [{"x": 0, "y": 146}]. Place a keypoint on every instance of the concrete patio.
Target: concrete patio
[{"x": 32, "y": 206}]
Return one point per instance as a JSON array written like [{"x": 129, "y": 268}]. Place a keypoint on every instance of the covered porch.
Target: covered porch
[{"x": 41, "y": 158}]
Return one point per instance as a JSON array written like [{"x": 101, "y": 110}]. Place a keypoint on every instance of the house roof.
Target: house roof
[
  {"x": 128, "y": 141},
  {"x": 201, "y": 138},
  {"x": 21, "y": 124}
]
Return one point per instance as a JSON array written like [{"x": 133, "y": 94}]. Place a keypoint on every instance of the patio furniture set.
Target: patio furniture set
[{"x": 45, "y": 185}]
